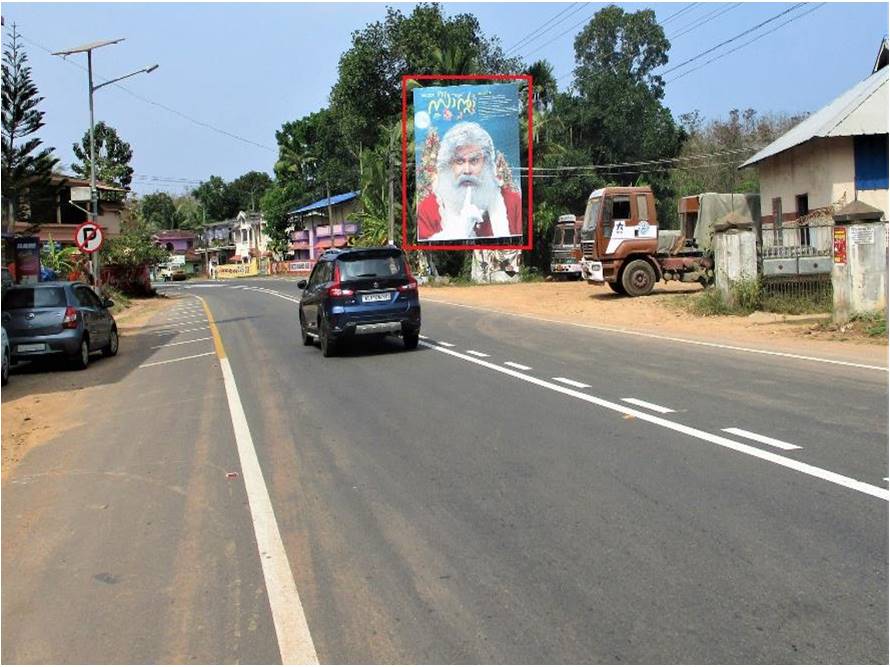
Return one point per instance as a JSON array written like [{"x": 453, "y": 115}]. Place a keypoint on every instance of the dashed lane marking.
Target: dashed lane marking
[
  {"x": 478, "y": 354},
  {"x": 513, "y": 364},
  {"x": 573, "y": 383},
  {"x": 645, "y": 404},
  {"x": 173, "y": 361},
  {"x": 772, "y": 457},
  {"x": 168, "y": 331},
  {"x": 766, "y": 440},
  {"x": 182, "y": 342}
]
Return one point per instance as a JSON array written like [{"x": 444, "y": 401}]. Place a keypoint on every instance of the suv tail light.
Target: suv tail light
[
  {"x": 411, "y": 286},
  {"x": 70, "y": 319},
  {"x": 335, "y": 289}
]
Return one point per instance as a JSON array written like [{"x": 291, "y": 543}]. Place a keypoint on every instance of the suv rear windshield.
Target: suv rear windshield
[
  {"x": 34, "y": 297},
  {"x": 364, "y": 266}
]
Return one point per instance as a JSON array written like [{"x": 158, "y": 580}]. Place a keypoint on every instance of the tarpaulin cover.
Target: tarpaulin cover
[{"x": 715, "y": 207}]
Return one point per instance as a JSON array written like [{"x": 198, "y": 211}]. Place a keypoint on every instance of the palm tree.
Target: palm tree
[{"x": 543, "y": 84}]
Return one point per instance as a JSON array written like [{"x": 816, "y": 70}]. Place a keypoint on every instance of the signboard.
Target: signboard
[
  {"x": 840, "y": 245},
  {"x": 81, "y": 194},
  {"x": 862, "y": 234},
  {"x": 238, "y": 270},
  {"x": 27, "y": 259},
  {"x": 176, "y": 260},
  {"x": 88, "y": 237},
  {"x": 467, "y": 162}
]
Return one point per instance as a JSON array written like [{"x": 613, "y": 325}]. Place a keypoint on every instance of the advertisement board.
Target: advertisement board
[{"x": 27, "y": 259}]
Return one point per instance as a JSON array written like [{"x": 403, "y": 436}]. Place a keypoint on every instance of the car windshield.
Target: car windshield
[
  {"x": 34, "y": 297},
  {"x": 372, "y": 267},
  {"x": 565, "y": 236}
]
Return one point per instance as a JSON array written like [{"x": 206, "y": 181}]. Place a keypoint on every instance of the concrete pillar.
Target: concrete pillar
[
  {"x": 735, "y": 257},
  {"x": 311, "y": 240},
  {"x": 859, "y": 269}
]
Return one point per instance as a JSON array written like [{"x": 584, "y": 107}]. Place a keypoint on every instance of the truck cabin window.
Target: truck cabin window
[{"x": 591, "y": 216}]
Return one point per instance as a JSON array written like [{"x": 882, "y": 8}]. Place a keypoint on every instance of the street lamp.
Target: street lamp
[{"x": 94, "y": 193}]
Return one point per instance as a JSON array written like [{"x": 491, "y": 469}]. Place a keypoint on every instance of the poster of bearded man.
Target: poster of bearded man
[{"x": 467, "y": 157}]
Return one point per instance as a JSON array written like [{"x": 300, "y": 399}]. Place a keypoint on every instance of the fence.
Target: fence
[{"x": 795, "y": 261}]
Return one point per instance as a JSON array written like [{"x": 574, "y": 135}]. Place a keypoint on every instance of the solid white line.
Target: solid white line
[
  {"x": 766, "y": 440},
  {"x": 444, "y": 344},
  {"x": 519, "y": 366},
  {"x": 294, "y": 641},
  {"x": 166, "y": 332},
  {"x": 627, "y": 332},
  {"x": 805, "y": 468},
  {"x": 183, "y": 342},
  {"x": 172, "y": 361},
  {"x": 478, "y": 354},
  {"x": 644, "y": 404},
  {"x": 572, "y": 383}
]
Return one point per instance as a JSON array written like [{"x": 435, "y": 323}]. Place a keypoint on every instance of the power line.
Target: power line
[
  {"x": 540, "y": 30},
  {"x": 732, "y": 39},
  {"x": 647, "y": 170},
  {"x": 750, "y": 41},
  {"x": 680, "y": 12},
  {"x": 562, "y": 34},
  {"x": 621, "y": 165},
  {"x": 160, "y": 105},
  {"x": 707, "y": 18}
]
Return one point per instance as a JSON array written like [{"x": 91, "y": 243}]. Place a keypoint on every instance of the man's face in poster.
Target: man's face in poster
[{"x": 468, "y": 161}]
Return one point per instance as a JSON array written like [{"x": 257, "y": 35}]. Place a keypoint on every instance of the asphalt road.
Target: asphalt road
[{"x": 582, "y": 504}]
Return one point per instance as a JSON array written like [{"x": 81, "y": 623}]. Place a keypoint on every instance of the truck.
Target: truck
[
  {"x": 623, "y": 246},
  {"x": 565, "y": 258}
]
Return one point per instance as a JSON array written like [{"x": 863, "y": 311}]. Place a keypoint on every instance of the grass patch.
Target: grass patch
[
  {"x": 121, "y": 300},
  {"x": 749, "y": 296},
  {"x": 873, "y": 324}
]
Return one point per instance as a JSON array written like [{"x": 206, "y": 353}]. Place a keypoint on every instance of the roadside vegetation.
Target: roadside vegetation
[{"x": 748, "y": 296}]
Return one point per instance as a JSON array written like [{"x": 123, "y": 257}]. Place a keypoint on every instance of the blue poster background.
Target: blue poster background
[{"x": 495, "y": 107}]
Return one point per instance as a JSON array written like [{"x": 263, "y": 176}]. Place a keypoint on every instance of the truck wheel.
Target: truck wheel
[
  {"x": 638, "y": 278},
  {"x": 617, "y": 287}
]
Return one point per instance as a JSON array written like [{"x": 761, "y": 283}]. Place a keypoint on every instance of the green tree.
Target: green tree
[
  {"x": 60, "y": 259},
  {"x": 218, "y": 199},
  {"x": 158, "y": 211},
  {"x": 26, "y": 168},
  {"x": 113, "y": 156},
  {"x": 277, "y": 201},
  {"x": 248, "y": 189},
  {"x": 543, "y": 84},
  {"x": 189, "y": 213},
  {"x": 313, "y": 152},
  {"x": 132, "y": 251}
]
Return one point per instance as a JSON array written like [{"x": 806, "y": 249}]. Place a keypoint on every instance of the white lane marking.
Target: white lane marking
[
  {"x": 173, "y": 361},
  {"x": 478, "y": 354},
  {"x": 513, "y": 364},
  {"x": 272, "y": 293},
  {"x": 766, "y": 440},
  {"x": 627, "y": 332},
  {"x": 572, "y": 383},
  {"x": 180, "y": 323},
  {"x": 805, "y": 468},
  {"x": 182, "y": 342},
  {"x": 444, "y": 344},
  {"x": 294, "y": 641},
  {"x": 644, "y": 404},
  {"x": 422, "y": 337},
  {"x": 167, "y": 332}
]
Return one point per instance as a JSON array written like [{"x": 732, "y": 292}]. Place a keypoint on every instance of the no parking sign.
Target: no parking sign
[{"x": 88, "y": 237}]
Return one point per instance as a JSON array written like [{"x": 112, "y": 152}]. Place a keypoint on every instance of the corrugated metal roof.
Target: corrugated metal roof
[
  {"x": 860, "y": 110},
  {"x": 322, "y": 203}
]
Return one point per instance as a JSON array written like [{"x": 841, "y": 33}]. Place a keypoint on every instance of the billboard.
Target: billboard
[{"x": 467, "y": 172}]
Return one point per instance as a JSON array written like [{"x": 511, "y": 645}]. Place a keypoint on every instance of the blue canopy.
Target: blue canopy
[{"x": 323, "y": 203}]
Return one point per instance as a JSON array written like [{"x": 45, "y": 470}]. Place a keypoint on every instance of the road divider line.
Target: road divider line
[
  {"x": 573, "y": 383},
  {"x": 478, "y": 354},
  {"x": 294, "y": 640},
  {"x": 173, "y": 361},
  {"x": 444, "y": 344},
  {"x": 766, "y": 440},
  {"x": 645, "y": 404},
  {"x": 673, "y": 339},
  {"x": 513, "y": 364},
  {"x": 778, "y": 459},
  {"x": 182, "y": 342}
]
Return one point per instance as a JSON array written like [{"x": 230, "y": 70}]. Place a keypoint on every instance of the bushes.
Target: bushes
[{"x": 751, "y": 295}]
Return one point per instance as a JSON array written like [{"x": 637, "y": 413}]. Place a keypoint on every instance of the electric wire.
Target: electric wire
[{"x": 537, "y": 32}]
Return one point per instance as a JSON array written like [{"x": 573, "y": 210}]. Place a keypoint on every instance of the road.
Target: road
[{"x": 513, "y": 491}]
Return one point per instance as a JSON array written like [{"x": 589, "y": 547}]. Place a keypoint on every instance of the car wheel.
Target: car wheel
[
  {"x": 304, "y": 333},
  {"x": 411, "y": 340},
  {"x": 113, "y": 342},
  {"x": 4, "y": 374},
  {"x": 82, "y": 359},
  {"x": 638, "y": 278},
  {"x": 328, "y": 344}
]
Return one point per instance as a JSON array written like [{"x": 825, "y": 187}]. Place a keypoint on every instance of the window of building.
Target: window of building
[
  {"x": 870, "y": 159},
  {"x": 777, "y": 220},
  {"x": 803, "y": 207}
]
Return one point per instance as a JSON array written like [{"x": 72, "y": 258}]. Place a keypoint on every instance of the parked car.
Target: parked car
[
  {"x": 358, "y": 292},
  {"x": 58, "y": 318},
  {"x": 7, "y": 359}
]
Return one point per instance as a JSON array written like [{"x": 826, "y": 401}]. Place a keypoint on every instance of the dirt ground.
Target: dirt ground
[
  {"x": 663, "y": 313},
  {"x": 41, "y": 403}
]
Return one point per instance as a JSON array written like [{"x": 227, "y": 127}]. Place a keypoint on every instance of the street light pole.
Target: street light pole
[{"x": 94, "y": 192}]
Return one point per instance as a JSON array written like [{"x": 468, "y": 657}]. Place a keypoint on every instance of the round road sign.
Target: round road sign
[{"x": 88, "y": 237}]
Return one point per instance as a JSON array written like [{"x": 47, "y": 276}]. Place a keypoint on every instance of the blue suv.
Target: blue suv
[{"x": 357, "y": 292}]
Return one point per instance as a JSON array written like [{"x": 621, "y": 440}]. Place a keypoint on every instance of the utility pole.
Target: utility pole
[
  {"x": 94, "y": 193},
  {"x": 327, "y": 186}
]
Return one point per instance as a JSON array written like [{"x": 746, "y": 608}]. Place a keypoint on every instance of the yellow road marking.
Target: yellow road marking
[{"x": 217, "y": 340}]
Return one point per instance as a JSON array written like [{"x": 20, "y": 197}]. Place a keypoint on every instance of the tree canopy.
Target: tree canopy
[
  {"x": 158, "y": 211},
  {"x": 113, "y": 156}
]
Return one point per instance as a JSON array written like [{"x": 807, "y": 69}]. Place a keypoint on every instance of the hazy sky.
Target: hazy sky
[{"x": 247, "y": 68}]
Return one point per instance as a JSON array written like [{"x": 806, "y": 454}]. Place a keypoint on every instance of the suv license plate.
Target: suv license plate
[
  {"x": 32, "y": 347},
  {"x": 369, "y": 298}
]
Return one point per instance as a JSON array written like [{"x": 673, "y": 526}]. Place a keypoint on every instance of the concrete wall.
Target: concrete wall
[
  {"x": 735, "y": 259},
  {"x": 860, "y": 284}
]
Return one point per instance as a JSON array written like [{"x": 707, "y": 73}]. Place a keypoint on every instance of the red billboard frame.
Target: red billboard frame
[{"x": 464, "y": 77}]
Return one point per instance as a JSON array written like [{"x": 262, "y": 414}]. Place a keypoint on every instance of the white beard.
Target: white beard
[{"x": 462, "y": 207}]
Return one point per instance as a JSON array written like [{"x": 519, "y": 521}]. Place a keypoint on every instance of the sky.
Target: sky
[{"x": 245, "y": 69}]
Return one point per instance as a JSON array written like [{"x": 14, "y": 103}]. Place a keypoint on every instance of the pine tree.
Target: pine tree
[{"x": 26, "y": 168}]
